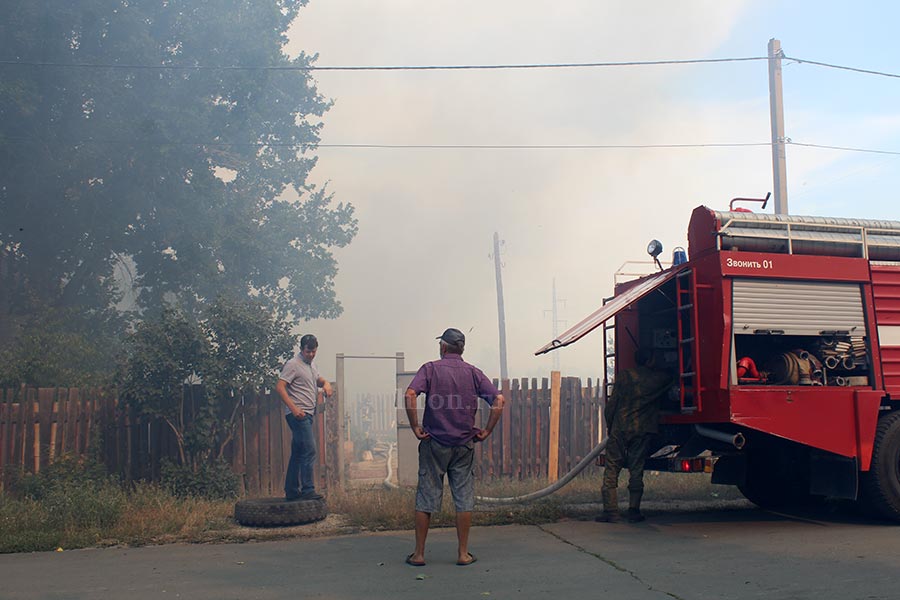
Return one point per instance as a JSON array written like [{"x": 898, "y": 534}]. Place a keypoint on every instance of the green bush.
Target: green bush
[
  {"x": 213, "y": 480},
  {"x": 74, "y": 494}
]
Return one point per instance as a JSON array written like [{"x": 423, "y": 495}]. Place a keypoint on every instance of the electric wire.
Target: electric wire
[
  {"x": 543, "y": 146},
  {"x": 844, "y": 148},
  {"x": 316, "y": 146},
  {"x": 460, "y": 67},
  {"x": 841, "y": 67},
  {"x": 472, "y": 67}
]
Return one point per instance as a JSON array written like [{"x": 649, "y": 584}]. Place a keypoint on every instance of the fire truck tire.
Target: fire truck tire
[
  {"x": 881, "y": 485},
  {"x": 770, "y": 492},
  {"x": 275, "y": 512},
  {"x": 775, "y": 478}
]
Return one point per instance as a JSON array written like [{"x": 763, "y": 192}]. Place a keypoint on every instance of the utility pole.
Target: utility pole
[
  {"x": 554, "y": 314},
  {"x": 501, "y": 317},
  {"x": 776, "y": 111}
]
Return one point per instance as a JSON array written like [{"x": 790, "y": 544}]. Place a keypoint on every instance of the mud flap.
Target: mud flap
[{"x": 833, "y": 475}]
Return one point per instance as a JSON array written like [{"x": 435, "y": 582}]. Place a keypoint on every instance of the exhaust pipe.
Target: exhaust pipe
[{"x": 736, "y": 439}]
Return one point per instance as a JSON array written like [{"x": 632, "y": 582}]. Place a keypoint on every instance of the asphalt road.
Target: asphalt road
[{"x": 731, "y": 554}]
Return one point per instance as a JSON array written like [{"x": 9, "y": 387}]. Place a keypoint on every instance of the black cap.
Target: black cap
[{"x": 452, "y": 336}]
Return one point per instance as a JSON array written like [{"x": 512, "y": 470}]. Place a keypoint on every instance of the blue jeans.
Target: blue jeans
[{"x": 300, "y": 478}]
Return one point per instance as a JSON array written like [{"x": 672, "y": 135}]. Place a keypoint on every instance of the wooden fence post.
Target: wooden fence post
[
  {"x": 553, "y": 466},
  {"x": 333, "y": 453}
]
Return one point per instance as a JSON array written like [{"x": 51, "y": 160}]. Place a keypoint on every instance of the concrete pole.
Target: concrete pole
[
  {"x": 776, "y": 111},
  {"x": 501, "y": 317}
]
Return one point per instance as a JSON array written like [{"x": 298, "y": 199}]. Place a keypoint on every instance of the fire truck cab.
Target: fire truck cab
[{"x": 783, "y": 333}]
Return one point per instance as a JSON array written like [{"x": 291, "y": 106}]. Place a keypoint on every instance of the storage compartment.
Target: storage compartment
[{"x": 799, "y": 333}]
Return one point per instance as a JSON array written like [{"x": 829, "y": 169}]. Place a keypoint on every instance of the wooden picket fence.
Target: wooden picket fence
[
  {"x": 519, "y": 447},
  {"x": 39, "y": 425}
]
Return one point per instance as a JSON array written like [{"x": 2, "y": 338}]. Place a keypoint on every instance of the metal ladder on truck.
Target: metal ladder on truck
[
  {"x": 609, "y": 363},
  {"x": 688, "y": 347}
]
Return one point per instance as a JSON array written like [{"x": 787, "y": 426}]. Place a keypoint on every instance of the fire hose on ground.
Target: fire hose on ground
[
  {"x": 737, "y": 440},
  {"x": 593, "y": 454}
]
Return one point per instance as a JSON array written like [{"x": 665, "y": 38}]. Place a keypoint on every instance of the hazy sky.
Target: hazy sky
[{"x": 427, "y": 216}]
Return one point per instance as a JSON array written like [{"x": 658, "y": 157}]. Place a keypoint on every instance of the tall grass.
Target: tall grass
[
  {"x": 147, "y": 514},
  {"x": 75, "y": 506}
]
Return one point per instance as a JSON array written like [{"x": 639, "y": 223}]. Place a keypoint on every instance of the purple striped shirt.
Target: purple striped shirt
[{"x": 452, "y": 388}]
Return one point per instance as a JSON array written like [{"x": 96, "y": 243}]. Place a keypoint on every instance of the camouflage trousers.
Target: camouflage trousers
[{"x": 625, "y": 451}]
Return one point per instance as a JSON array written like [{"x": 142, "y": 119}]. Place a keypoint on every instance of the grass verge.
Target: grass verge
[{"x": 101, "y": 513}]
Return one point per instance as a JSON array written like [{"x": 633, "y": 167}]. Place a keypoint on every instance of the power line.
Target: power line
[
  {"x": 831, "y": 66},
  {"x": 541, "y": 146},
  {"x": 314, "y": 145},
  {"x": 844, "y": 148},
  {"x": 578, "y": 65},
  {"x": 139, "y": 142},
  {"x": 464, "y": 67}
]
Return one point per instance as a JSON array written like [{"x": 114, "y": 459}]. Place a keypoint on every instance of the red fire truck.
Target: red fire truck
[{"x": 784, "y": 332}]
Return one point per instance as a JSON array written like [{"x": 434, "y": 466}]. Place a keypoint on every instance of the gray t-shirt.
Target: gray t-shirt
[{"x": 301, "y": 381}]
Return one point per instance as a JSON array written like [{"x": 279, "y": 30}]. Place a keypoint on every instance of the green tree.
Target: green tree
[
  {"x": 157, "y": 175},
  {"x": 62, "y": 347},
  {"x": 237, "y": 349}
]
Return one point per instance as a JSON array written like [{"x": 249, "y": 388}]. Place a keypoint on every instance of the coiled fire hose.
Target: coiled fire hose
[{"x": 550, "y": 488}]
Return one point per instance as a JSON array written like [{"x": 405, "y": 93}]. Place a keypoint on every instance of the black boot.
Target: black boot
[
  {"x": 610, "y": 512},
  {"x": 634, "y": 507},
  {"x": 608, "y": 516}
]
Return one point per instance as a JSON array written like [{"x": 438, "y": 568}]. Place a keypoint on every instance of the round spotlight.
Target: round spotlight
[{"x": 654, "y": 248}]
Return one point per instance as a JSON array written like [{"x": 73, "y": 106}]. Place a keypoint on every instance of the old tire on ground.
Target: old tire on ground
[
  {"x": 881, "y": 485},
  {"x": 273, "y": 512}
]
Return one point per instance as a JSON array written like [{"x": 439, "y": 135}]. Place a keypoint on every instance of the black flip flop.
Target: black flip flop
[
  {"x": 466, "y": 564},
  {"x": 413, "y": 563}
]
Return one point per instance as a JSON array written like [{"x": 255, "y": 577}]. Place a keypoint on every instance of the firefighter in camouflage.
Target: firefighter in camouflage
[{"x": 632, "y": 418}]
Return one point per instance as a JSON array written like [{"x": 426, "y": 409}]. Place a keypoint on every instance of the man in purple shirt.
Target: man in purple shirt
[{"x": 447, "y": 438}]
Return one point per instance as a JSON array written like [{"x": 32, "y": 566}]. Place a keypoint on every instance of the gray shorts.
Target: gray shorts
[{"x": 457, "y": 463}]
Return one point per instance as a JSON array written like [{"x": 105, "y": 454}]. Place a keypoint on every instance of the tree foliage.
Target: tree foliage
[
  {"x": 61, "y": 346},
  {"x": 154, "y": 178},
  {"x": 238, "y": 348}
]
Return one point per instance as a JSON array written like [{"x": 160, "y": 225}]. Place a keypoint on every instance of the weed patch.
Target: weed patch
[{"x": 78, "y": 506}]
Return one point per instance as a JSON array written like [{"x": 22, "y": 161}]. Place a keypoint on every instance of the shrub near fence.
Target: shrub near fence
[{"x": 38, "y": 425}]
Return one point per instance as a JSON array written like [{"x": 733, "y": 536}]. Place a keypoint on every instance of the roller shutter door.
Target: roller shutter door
[{"x": 797, "y": 307}]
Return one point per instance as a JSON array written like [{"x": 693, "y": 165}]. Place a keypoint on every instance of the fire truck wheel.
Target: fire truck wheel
[
  {"x": 774, "y": 476},
  {"x": 881, "y": 485}
]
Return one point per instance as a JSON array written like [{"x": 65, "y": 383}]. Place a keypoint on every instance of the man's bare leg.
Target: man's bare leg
[
  {"x": 423, "y": 520},
  {"x": 463, "y": 524}
]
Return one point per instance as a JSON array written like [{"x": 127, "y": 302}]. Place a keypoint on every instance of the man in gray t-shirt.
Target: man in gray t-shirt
[{"x": 298, "y": 387}]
